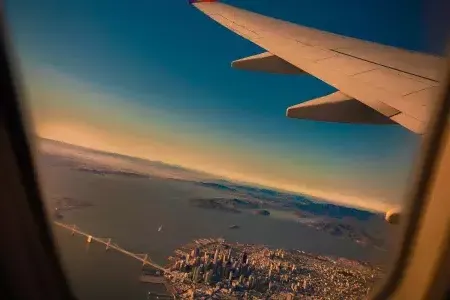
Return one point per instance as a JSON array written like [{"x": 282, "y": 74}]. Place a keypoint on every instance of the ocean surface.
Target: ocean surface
[{"x": 130, "y": 211}]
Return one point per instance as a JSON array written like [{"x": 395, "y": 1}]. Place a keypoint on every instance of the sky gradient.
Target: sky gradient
[{"x": 153, "y": 79}]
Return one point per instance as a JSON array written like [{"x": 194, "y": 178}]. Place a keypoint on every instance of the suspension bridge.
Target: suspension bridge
[{"x": 144, "y": 258}]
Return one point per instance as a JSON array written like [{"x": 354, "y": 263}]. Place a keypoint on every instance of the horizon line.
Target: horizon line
[{"x": 227, "y": 178}]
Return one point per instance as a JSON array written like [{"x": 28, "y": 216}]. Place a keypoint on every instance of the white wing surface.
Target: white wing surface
[{"x": 399, "y": 86}]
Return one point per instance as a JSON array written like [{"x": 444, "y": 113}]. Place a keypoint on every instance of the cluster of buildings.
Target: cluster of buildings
[
  {"x": 220, "y": 270},
  {"x": 213, "y": 266}
]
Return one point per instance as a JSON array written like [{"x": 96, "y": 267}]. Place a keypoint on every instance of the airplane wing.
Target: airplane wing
[{"x": 376, "y": 84}]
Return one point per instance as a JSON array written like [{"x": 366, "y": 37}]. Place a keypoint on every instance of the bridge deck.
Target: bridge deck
[{"x": 107, "y": 242}]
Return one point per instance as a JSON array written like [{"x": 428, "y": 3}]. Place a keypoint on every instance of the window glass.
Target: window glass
[{"x": 166, "y": 172}]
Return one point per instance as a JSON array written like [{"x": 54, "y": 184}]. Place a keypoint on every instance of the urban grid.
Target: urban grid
[{"x": 213, "y": 268}]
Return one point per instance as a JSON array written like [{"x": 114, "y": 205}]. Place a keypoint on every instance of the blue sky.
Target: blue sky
[{"x": 153, "y": 79}]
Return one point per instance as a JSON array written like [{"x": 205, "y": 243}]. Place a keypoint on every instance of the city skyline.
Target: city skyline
[
  {"x": 96, "y": 80},
  {"x": 254, "y": 270}
]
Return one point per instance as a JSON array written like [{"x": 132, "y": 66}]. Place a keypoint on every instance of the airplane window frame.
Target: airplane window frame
[
  {"x": 420, "y": 223},
  {"x": 15, "y": 147},
  {"x": 30, "y": 265}
]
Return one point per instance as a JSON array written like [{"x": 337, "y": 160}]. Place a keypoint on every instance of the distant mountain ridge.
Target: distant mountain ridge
[
  {"x": 337, "y": 210},
  {"x": 302, "y": 203},
  {"x": 337, "y": 220},
  {"x": 118, "y": 155}
]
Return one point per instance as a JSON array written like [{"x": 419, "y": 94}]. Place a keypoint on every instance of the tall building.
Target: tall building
[
  {"x": 244, "y": 270},
  {"x": 226, "y": 271},
  {"x": 215, "y": 266},
  {"x": 244, "y": 258},
  {"x": 209, "y": 265},
  {"x": 256, "y": 283},
  {"x": 197, "y": 274},
  {"x": 219, "y": 271},
  {"x": 235, "y": 264},
  {"x": 251, "y": 282},
  {"x": 208, "y": 276},
  {"x": 203, "y": 270},
  {"x": 231, "y": 275},
  {"x": 216, "y": 255},
  {"x": 193, "y": 272},
  {"x": 229, "y": 254},
  {"x": 241, "y": 279}
]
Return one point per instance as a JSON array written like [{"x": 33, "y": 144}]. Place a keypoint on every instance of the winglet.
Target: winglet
[{"x": 197, "y": 1}]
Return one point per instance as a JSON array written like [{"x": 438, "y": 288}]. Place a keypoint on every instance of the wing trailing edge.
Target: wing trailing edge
[{"x": 340, "y": 108}]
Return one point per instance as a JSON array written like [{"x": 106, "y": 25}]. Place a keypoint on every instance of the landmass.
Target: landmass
[
  {"x": 68, "y": 203},
  {"x": 358, "y": 225},
  {"x": 218, "y": 269},
  {"x": 63, "y": 204},
  {"x": 105, "y": 172},
  {"x": 346, "y": 231},
  {"x": 343, "y": 226},
  {"x": 213, "y": 268},
  {"x": 262, "y": 212},
  {"x": 217, "y": 204}
]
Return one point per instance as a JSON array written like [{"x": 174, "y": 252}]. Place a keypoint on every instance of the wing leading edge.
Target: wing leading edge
[{"x": 376, "y": 84}]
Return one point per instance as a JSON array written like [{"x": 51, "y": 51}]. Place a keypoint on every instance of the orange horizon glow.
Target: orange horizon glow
[
  {"x": 69, "y": 111},
  {"x": 105, "y": 146}
]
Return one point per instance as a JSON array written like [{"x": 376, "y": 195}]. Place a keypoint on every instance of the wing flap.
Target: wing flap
[
  {"x": 266, "y": 62},
  {"x": 338, "y": 107}
]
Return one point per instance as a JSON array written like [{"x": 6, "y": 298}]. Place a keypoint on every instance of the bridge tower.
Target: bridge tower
[{"x": 144, "y": 262}]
